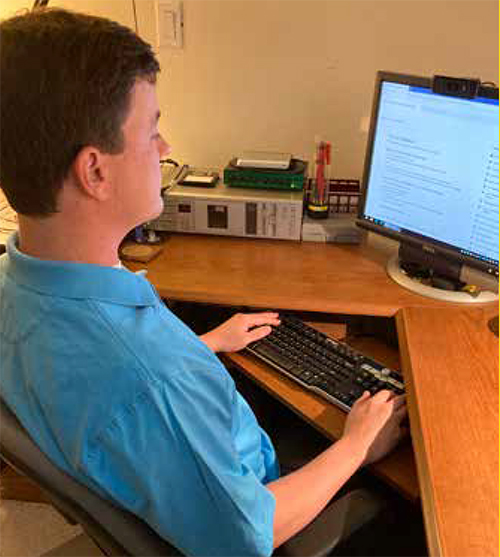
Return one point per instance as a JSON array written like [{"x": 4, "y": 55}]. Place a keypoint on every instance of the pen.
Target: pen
[
  {"x": 328, "y": 153},
  {"x": 320, "y": 178}
]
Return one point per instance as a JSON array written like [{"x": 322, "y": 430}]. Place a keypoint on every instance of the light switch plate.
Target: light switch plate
[{"x": 169, "y": 23}]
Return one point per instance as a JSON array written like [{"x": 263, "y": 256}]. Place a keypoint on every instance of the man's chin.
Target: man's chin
[{"x": 158, "y": 210}]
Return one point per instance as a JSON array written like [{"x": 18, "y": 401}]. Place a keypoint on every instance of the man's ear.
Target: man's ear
[{"x": 90, "y": 169}]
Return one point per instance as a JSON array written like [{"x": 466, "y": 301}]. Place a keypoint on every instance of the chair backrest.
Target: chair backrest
[{"x": 114, "y": 530}]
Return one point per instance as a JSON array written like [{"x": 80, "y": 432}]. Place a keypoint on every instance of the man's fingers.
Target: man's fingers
[
  {"x": 264, "y": 318},
  {"x": 364, "y": 396},
  {"x": 258, "y": 333},
  {"x": 383, "y": 396}
]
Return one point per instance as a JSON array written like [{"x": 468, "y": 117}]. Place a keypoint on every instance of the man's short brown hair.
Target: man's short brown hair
[{"x": 65, "y": 83}]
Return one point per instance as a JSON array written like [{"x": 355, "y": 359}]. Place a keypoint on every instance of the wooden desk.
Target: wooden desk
[
  {"x": 450, "y": 363},
  {"x": 278, "y": 274}
]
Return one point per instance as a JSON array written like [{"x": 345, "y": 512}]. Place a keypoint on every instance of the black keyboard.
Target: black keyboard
[{"x": 321, "y": 364}]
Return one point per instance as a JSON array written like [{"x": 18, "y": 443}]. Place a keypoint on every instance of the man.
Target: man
[{"x": 110, "y": 384}]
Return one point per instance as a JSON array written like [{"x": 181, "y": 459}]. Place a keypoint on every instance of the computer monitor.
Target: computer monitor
[{"x": 431, "y": 181}]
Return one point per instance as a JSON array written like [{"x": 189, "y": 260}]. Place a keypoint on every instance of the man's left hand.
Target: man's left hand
[{"x": 240, "y": 330}]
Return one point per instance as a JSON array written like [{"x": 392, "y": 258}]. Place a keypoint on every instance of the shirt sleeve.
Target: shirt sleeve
[{"x": 170, "y": 458}]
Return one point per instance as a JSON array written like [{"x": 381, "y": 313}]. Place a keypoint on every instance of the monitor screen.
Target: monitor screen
[{"x": 431, "y": 172}]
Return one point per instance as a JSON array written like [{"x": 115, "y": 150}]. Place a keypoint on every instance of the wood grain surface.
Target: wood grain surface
[
  {"x": 451, "y": 363},
  {"x": 278, "y": 274}
]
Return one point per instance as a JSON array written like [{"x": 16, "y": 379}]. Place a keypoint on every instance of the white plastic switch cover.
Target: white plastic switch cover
[{"x": 169, "y": 23}]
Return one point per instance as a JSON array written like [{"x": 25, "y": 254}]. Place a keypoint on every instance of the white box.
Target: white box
[
  {"x": 339, "y": 228},
  {"x": 261, "y": 159},
  {"x": 231, "y": 212}
]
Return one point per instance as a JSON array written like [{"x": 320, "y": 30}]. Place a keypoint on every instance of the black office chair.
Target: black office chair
[{"x": 118, "y": 532}]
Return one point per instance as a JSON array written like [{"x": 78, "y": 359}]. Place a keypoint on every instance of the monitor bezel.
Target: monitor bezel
[{"x": 425, "y": 242}]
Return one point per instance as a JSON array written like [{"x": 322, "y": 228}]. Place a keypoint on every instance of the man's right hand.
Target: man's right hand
[
  {"x": 372, "y": 429},
  {"x": 374, "y": 424}
]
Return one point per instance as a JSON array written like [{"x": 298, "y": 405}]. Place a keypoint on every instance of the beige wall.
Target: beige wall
[{"x": 270, "y": 75}]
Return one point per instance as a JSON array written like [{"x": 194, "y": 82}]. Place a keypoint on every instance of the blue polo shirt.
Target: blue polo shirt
[{"x": 123, "y": 396}]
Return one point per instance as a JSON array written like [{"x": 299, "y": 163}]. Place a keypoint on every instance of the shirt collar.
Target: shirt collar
[{"x": 77, "y": 280}]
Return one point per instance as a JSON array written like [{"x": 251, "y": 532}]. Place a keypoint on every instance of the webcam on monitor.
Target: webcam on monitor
[{"x": 455, "y": 86}]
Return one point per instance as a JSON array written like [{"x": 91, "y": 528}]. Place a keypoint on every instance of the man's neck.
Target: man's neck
[{"x": 53, "y": 239}]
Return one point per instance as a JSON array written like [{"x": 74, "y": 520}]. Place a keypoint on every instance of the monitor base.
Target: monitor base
[{"x": 395, "y": 272}]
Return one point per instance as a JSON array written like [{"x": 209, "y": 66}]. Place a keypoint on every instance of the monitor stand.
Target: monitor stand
[{"x": 399, "y": 276}]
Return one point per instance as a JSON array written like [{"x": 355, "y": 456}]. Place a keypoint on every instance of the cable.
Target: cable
[
  {"x": 135, "y": 17},
  {"x": 169, "y": 161}
]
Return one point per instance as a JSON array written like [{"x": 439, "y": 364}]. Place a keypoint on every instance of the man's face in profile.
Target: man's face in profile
[{"x": 136, "y": 175}]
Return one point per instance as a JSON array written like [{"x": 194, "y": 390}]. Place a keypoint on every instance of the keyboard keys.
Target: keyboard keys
[{"x": 333, "y": 369}]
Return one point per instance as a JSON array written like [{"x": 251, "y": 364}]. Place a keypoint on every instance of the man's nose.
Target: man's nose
[{"x": 165, "y": 149}]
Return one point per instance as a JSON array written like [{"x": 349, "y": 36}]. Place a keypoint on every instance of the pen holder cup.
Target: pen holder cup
[{"x": 317, "y": 202}]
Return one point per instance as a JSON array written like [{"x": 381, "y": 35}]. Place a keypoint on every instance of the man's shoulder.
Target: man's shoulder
[{"x": 163, "y": 343}]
